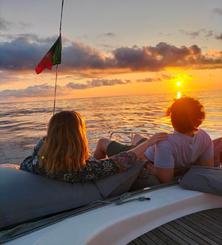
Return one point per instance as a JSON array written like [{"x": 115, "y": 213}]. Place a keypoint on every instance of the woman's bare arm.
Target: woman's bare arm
[{"x": 141, "y": 148}]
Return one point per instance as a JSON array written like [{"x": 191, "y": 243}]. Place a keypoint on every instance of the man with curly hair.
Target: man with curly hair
[{"x": 187, "y": 145}]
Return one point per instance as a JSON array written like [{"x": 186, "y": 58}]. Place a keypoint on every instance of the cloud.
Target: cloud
[
  {"x": 109, "y": 34},
  {"x": 81, "y": 56},
  {"x": 209, "y": 33},
  {"x": 200, "y": 32},
  {"x": 73, "y": 85},
  {"x": 24, "y": 52},
  {"x": 219, "y": 37},
  {"x": 45, "y": 90},
  {"x": 214, "y": 53},
  {"x": 192, "y": 34},
  {"x": 28, "y": 38},
  {"x": 8, "y": 77},
  {"x": 155, "y": 79},
  {"x": 32, "y": 91},
  {"x": 156, "y": 58},
  {"x": 217, "y": 11},
  {"x": 19, "y": 54},
  {"x": 97, "y": 83},
  {"x": 148, "y": 80},
  {"x": 106, "y": 46},
  {"x": 165, "y": 77},
  {"x": 33, "y": 38},
  {"x": 162, "y": 56},
  {"x": 23, "y": 25},
  {"x": 4, "y": 24}
]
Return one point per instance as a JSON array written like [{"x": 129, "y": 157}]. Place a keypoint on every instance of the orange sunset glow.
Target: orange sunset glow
[{"x": 110, "y": 60}]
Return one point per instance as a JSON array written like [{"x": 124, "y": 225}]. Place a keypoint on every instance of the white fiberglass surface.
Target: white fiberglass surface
[{"x": 119, "y": 224}]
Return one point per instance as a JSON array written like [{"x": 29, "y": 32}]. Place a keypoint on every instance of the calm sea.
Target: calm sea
[{"x": 21, "y": 124}]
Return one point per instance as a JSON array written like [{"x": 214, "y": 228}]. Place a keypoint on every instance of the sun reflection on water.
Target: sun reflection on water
[{"x": 179, "y": 94}]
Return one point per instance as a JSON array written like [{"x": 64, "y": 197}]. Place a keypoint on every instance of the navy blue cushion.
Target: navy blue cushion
[
  {"x": 204, "y": 179},
  {"x": 25, "y": 196}
]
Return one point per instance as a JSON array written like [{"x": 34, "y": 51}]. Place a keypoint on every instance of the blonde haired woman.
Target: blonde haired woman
[{"x": 63, "y": 154}]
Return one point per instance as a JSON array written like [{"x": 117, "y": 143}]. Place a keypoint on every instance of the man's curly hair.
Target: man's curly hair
[{"x": 186, "y": 114}]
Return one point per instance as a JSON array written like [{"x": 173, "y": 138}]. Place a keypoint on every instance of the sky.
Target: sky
[{"x": 110, "y": 48}]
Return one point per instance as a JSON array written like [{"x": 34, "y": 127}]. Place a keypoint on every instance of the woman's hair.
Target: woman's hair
[
  {"x": 65, "y": 148},
  {"x": 186, "y": 114}
]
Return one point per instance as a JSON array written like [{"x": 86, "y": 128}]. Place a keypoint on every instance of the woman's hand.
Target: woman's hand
[
  {"x": 156, "y": 138},
  {"x": 141, "y": 148}
]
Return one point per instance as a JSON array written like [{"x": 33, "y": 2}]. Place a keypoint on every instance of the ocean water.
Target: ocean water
[{"x": 23, "y": 123}]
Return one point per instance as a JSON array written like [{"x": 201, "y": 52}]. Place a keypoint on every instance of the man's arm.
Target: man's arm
[
  {"x": 164, "y": 175},
  {"x": 163, "y": 167}
]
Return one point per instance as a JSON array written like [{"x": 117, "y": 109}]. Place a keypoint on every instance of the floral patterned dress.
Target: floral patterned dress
[{"x": 93, "y": 170}]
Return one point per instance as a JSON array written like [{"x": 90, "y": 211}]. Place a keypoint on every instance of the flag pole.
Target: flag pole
[{"x": 56, "y": 77}]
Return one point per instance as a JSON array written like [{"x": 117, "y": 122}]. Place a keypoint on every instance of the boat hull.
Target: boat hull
[{"x": 120, "y": 224}]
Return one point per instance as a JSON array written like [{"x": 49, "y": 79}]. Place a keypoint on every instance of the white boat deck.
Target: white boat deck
[{"x": 120, "y": 224}]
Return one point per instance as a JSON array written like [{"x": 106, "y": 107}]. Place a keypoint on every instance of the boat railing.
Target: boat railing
[{"x": 129, "y": 133}]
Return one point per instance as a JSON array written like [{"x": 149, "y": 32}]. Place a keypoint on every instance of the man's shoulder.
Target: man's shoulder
[
  {"x": 165, "y": 143},
  {"x": 174, "y": 138},
  {"x": 203, "y": 134},
  {"x": 178, "y": 136},
  {"x": 202, "y": 131}
]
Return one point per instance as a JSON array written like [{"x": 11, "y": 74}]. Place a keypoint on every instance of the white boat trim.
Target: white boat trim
[{"x": 120, "y": 224}]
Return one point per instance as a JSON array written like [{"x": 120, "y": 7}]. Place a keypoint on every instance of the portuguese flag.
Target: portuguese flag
[{"x": 53, "y": 57}]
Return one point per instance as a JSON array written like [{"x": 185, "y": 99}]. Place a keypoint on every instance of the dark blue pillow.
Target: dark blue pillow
[{"x": 25, "y": 196}]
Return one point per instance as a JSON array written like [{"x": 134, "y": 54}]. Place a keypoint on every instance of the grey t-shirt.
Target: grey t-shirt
[{"x": 180, "y": 150}]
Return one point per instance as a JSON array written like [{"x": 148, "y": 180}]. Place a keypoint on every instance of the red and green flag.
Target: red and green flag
[{"x": 53, "y": 57}]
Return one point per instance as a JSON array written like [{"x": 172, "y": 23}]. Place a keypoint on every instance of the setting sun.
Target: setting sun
[
  {"x": 178, "y": 84},
  {"x": 181, "y": 79}
]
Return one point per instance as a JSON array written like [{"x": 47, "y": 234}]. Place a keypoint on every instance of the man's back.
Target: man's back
[{"x": 181, "y": 150}]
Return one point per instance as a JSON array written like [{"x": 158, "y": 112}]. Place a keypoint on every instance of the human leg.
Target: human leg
[
  {"x": 115, "y": 147},
  {"x": 106, "y": 147},
  {"x": 101, "y": 148},
  {"x": 137, "y": 139}
]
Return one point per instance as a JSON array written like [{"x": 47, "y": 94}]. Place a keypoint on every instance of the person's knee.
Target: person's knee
[
  {"x": 137, "y": 139},
  {"x": 103, "y": 143}
]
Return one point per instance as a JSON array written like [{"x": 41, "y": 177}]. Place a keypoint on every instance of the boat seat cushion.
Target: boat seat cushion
[
  {"x": 204, "y": 179},
  {"x": 217, "y": 152},
  {"x": 25, "y": 196}
]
